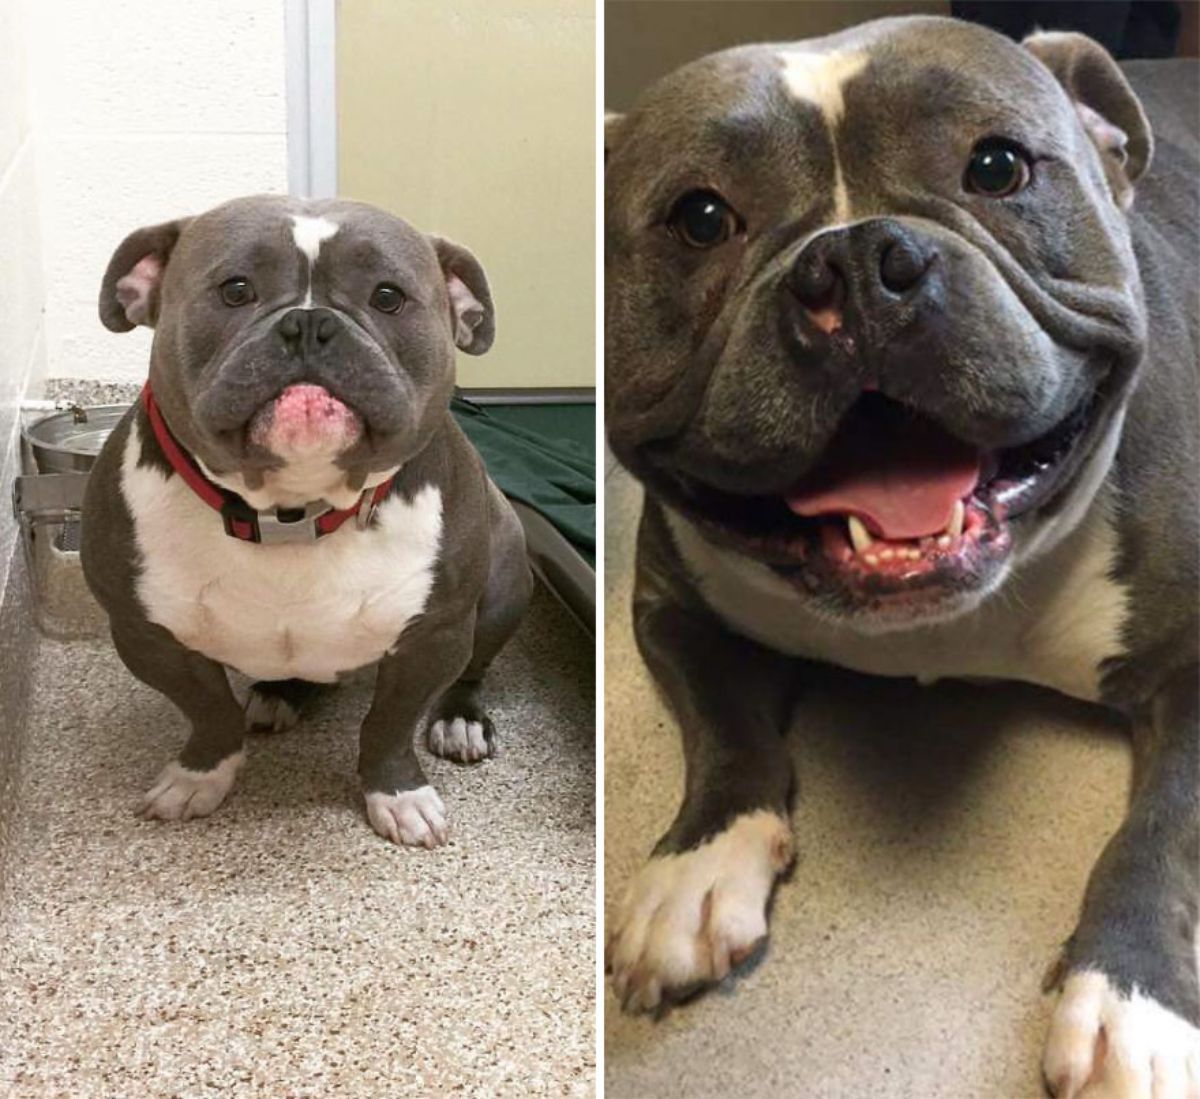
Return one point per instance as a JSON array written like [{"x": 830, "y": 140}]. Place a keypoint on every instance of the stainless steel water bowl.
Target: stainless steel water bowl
[{"x": 62, "y": 444}]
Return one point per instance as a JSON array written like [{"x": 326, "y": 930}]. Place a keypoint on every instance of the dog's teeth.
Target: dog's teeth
[
  {"x": 955, "y": 528},
  {"x": 858, "y": 534},
  {"x": 944, "y": 541}
]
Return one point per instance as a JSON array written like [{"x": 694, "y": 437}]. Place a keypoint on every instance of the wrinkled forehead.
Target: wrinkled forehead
[
  {"x": 881, "y": 78},
  {"x": 278, "y": 230}
]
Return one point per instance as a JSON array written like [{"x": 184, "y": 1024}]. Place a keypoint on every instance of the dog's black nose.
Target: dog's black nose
[
  {"x": 306, "y": 330},
  {"x": 865, "y": 269}
]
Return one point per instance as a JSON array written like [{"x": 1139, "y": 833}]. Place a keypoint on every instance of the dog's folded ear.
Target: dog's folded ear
[
  {"x": 613, "y": 124},
  {"x": 472, "y": 317},
  {"x": 129, "y": 293},
  {"x": 1106, "y": 104}
]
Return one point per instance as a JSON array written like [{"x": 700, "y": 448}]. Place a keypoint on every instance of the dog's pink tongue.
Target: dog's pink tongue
[
  {"x": 305, "y": 418},
  {"x": 901, "y": 479}
]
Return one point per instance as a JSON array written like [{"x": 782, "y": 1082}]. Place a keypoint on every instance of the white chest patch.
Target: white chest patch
[
  {"x": 306, "y": 611},
  {"x": 309, "y": 233},
  {"x": 1053, "y": 627}
]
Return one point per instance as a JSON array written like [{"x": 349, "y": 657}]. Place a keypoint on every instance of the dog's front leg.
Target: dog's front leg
[
  {"x": 1127, "y": 1021},
  {"x": 401, "y": 804},
  {"x": 197, "y": 782},
  {"x": 698, "y": 906}
]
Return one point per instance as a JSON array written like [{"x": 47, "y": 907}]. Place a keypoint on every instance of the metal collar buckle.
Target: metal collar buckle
[
  {"x": 280, "y": 526},
  {"x": 299, "y": 526}
]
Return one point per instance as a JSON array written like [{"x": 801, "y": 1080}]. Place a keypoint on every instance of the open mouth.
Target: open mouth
[{"x": 896, "y": 506}]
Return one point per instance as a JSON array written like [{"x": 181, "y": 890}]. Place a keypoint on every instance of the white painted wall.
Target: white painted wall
[
  {"x": 22, "y": 293},
  {"x": 143, "y": 110}
]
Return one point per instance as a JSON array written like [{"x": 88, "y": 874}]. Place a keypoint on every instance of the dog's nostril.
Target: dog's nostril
[
  {"x": 902, "y": 266},
  {"x": 327, "y": 328},
  {"x": 817, "y": 284},
  {"x": 291, "y": 331}
]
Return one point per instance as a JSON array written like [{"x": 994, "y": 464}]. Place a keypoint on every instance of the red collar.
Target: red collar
[{"x": 305, "y": 524}]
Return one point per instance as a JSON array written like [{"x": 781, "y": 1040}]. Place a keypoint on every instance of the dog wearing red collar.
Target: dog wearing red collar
[{"x": 290, "y": 497}]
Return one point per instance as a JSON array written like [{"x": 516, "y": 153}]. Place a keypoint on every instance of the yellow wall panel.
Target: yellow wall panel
[{"x": 475, "y": 119}]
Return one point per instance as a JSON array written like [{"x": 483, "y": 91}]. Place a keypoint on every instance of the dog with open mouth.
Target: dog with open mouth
[
  {"x": 291, "y": 498},
  {"x": 901, "y": 339}
]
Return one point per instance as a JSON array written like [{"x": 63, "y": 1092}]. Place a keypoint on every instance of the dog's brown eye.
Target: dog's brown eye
[
  {"x": 997, "y": 169},
  {"x": 237, "y": 291},
  {"x": 702, "y": 219},
  {"x": 387, "y": 298}
]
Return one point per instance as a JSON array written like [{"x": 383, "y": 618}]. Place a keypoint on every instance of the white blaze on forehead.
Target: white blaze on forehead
[
  {"x": 818, "y": 78},
  {"x": 310, "y": 232}
]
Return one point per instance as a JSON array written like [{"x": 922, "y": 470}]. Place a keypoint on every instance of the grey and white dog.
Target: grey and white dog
[
  {"x": 902, "y": 342},
  {"x": 292, "y": 499}
]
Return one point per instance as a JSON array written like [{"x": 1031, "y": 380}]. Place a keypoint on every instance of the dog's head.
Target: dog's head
[
  {"x": 301, "y": 348},
  {"x": 872, "y": 307}
]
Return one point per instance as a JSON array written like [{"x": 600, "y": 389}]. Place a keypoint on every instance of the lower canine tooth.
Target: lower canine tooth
[
  {"x": 858, "y": 534},
  {"x": 955, "y": 528}
]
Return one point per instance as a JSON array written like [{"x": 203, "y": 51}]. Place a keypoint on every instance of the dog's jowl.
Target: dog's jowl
[
  {"x": 902, "y": 342},
  {"x": 290, "y": 497}
]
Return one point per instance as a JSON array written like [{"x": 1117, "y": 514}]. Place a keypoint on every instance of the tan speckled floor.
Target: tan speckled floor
[
  {"x": 944, "y": 839},
  {"x": 279, "y": 948}
]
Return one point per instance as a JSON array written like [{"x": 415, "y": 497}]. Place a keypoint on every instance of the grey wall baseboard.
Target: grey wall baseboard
[
  {"x": 19, "y": 640},
  {"x": 18, "y": 651}
]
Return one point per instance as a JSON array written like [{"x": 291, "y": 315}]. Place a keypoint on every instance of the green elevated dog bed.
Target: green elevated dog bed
[{"x": 543, "y": 458}]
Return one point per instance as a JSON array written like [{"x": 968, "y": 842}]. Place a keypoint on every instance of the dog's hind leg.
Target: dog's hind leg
[{"x": 275, "y": 705}]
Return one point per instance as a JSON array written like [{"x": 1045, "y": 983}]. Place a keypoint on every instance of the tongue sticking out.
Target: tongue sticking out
[{"x": 901, "y": 475}]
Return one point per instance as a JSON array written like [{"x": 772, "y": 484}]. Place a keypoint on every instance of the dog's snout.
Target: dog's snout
[
  {"x": 864, "y": 269},
  {"x": 306, "y": 330}
]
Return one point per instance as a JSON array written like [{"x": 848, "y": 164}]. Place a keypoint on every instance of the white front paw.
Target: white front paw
[
  {"x": 180, "y": 794},
  {"x": 1104, "y": 1045},
  {"x": 687, "y": 918},
  {"x": 413, "y": 817}
]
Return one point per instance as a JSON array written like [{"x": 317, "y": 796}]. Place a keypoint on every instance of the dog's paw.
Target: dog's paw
[
  {"x": 416, "y": 818},
  {"x": 269, "y": 713},
  {"x": 1104, "y": 1045},
  {"x": 180, "y": 794},
  {"x": 686, "y": 919},
  {"x": 462, "y": 739}
]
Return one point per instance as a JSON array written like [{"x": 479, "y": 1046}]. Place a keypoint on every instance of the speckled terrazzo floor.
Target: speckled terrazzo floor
[
  {"x": 944, "y": 838},
  {"x": 279, "y": 948}
]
